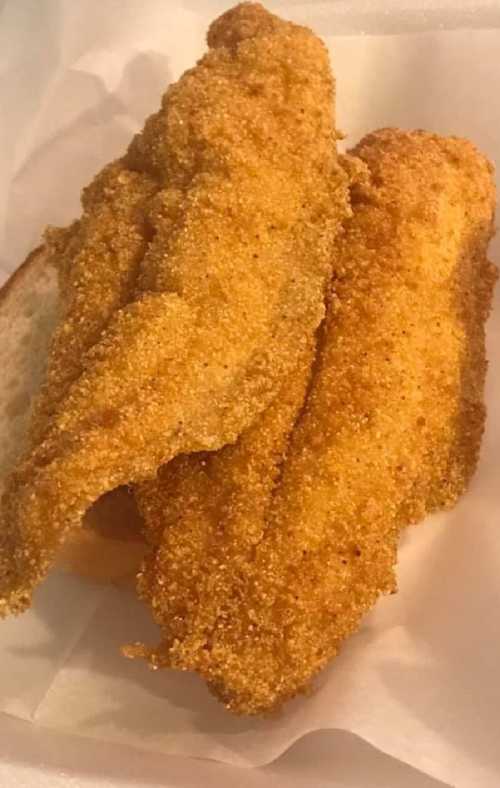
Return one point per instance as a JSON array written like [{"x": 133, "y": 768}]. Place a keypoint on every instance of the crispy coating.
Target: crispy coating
[
  {"x": 390, "y": 430},
  {"x": 97, "y": 260},
  {"x": 235, "y": 196},
  {"x": 211, "y": 503}
]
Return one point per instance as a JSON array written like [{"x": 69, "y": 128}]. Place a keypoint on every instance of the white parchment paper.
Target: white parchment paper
[{"x": 420, "y": 681}]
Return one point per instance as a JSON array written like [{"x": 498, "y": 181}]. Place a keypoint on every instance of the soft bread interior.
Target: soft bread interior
[{"x": 28, "y": 313}]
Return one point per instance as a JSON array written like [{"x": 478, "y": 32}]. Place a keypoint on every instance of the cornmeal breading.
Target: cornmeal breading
[
  {"x": 390, "y": 431},
  {"x": 235, "y": 197}
]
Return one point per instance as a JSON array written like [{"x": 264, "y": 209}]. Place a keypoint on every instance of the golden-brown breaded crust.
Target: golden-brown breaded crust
[
  {"x": 390, "y": 431},
  {"x": 97, "y": 260},
  {"x": 207, "y": 511},
  {"x": 226, "y": 250}
]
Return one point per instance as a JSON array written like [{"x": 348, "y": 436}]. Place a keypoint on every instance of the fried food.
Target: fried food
[
  {"x": 210, "y": 503},
  {"x": 235, "y": 196},
  {"x": 257, "y": 599}
]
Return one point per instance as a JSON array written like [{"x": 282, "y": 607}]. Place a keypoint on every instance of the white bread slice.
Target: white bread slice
[
  {"x": 28, "y": 313},
  {"x": 109, "y": 548}
]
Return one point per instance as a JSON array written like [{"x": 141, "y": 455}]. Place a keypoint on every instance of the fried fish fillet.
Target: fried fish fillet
[
  {"x": 257, "y": 599},
  {"x": 232, "y": 198},
  {"x": 210, "y": 502}
]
